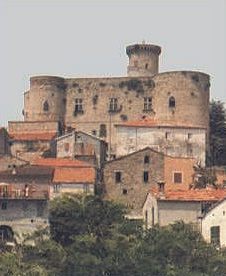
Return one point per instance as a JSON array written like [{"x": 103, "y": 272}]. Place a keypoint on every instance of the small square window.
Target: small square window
[
  {"x": 118, "y": 177},
  {"x": 124, "y": 191},
  {"x": 94, "y": 132},
  {"x": 177, "y": 177},
  {"x": 145, "y": 176},
  {"x": 4, "y": 205}
]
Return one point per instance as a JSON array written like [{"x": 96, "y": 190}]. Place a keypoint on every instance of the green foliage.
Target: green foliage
[
  {"x": 98, "y": 240},
  {"x": 217, "y": 134}
]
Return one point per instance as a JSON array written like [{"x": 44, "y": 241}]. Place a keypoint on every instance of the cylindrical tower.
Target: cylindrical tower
[
  {"x": 45, "y": 101},
  {"x": 143, "y": 60}
]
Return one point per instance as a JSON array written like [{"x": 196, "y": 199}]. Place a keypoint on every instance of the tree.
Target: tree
[{"x": 217, "y": 137}]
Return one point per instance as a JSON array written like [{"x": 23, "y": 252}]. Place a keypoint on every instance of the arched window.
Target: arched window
[
  {"x": 172, "y": 102},
  {"x": 46, "y": 106},
  {"x": 146, "y": 159}
]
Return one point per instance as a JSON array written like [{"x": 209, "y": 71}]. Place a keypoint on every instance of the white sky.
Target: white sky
[{"x": 88, "y": 38}]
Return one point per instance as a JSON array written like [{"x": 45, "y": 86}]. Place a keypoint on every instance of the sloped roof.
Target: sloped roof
[
  {"x": 74, "y": 175},
  {"x": 60, "y": 162},
  {"x": 151, "y": 123},
  {"x": 44, "y": 136},
  {"x": 208, "y": 194}
]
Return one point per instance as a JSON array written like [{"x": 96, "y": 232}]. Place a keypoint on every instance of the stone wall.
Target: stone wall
[
  {"x": 24, "y": 216},
  {"x": 132, "y": 190},
  {"x": 33, "y": 127},
  {"x": 174, "y": 141},
  {"x": 4, "y": 142}
]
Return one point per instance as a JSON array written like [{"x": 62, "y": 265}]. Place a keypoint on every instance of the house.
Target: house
[
  {"x": 82, "y": 146},
  {"x": 31, "y": 140},
  {"x": 24, "y": 196},
  {"x": 170, "y": 138},
  {"x": 69, "y": 176},
  {"x": 128, "y": 179},
  {"x": 164, "y": 207},
  {"x": 213, "y": 224}
]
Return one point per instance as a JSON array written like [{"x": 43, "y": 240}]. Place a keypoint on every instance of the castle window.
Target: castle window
[
  {"x": 118, "y": 177},
  {"x": 145, "y": 176},
  {"x": 113, "y": 104},
  {"x": 103, "y": 130},
  {"x": 146, "y": 159},
  {"x": 146, "y": 66},
  {"x": 46, "y": 106},
  {"x": 177, "y": 177},
  {"x": 172, "y": 102},
  {"x": 78, "y": 105},
  {"x": 124, "y": 191},
  {"x": 147, "y": 103}
]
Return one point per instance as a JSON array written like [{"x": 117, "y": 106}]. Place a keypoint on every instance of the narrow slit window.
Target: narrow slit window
[{"x": 46, "y": 106}]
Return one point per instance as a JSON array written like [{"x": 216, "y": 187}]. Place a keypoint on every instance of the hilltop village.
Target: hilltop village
[{"x": 140, "y": 140}]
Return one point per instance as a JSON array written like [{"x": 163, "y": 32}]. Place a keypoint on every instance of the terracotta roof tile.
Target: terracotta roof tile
[
  {"x": 191, "y": 195},
  {"x": 74, "y": 175},
  {"x": 45, "y": 136},
  {"x": 60, "y": 162},
  {"x": 148, "y": 122}
]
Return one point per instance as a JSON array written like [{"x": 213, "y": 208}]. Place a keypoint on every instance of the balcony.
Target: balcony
[{"x": 8, "y": 191}]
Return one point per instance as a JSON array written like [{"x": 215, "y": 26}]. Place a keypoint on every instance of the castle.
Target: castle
[
  {"x": 175, "y": 102},
  {"x": 125, "y": 135}
]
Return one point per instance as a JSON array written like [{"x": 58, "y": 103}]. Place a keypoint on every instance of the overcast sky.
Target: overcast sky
[{"x": 88, "y": 38}]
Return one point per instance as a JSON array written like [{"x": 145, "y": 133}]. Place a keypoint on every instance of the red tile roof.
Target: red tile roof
[
  {"x": 192, "y": 195},
  {"x": 44, "y": 136},
  {"x": 74, "y": 175},
  {"x": 149, "y": 122},
  {"x": 60, "y": 162}
]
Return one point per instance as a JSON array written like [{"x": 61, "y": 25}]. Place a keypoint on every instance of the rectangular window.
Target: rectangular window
[
  {"x": 177, "y": 177},
  {"x": 215, "y": 235},
  {"x": 78, "y": 105},
  {"x": 118, "y": 177},
  {"x": 145, "y": 176},
  {"x": 147, "y": 104},
  {"x": 56, "y": 188},
  {"x": 4, "y": 205},
  {"x": 86, "y": 188},
  {"x": 113, "y": 104},
  {"x": 189, "y": 136}
]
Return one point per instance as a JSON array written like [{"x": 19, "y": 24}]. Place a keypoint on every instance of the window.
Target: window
[
  {"x": 177, "y": 177},
  {"x": 86, "y": 188},
  {"x": 172, "y": 102},
  {"x": 113, "y": 104},
  {"x": 146, "y": 159},
  {"x": 118, "y": 177},
  {"x": 66, "y": 147},
  {"x": 146, "y": 66},
  {"x": 46, "y": 106},
  {"x": 215, "y": 235},
  {"x": 78, "y": 105},
  {"x": 167, "y": 135},
  {"x": 103, "y": 130},
  {"x": 145, "y": 176},
  {"x": 135, "y": 63},
  {"x": 56, "y": 188},
  {"x": 189, "y": 136},
  {"x": 124, "y": 191},
  {"x": 147, "y": 103},
  {"x": 4, "y": 205}
]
